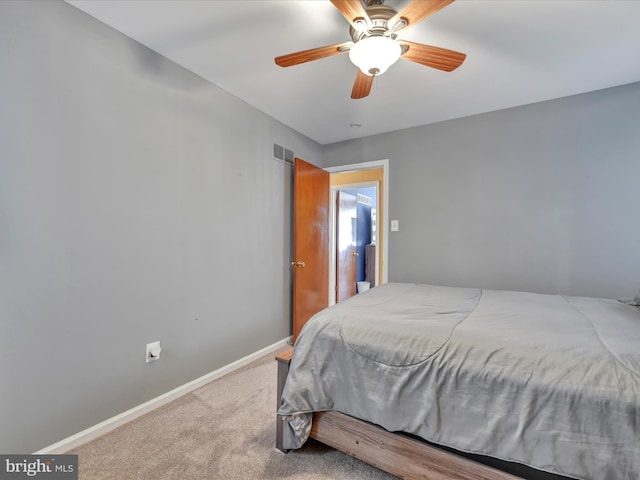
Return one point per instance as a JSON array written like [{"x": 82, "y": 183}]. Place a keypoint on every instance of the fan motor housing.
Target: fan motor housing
[{"x": 379, "y": 15}]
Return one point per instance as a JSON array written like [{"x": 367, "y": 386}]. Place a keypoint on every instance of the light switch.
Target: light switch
[{"x": 395, "y": 225}]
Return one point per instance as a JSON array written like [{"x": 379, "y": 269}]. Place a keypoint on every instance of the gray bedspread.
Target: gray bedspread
[{"x": 548, "y": 381}]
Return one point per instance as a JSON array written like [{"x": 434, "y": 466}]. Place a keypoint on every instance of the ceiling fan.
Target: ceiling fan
[{"x": 375, "y": 46}]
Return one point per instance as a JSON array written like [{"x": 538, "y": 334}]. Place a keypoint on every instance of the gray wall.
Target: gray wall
[
  {"x": 138, "y": 202},
  {"x": 543, "y": 197}
]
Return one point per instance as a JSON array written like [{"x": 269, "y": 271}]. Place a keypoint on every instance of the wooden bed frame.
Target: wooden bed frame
[{"x": 398, "y": 454}]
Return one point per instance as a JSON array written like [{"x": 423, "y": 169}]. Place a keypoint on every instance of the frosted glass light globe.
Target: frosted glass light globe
[{"x": 374, "y": 55}]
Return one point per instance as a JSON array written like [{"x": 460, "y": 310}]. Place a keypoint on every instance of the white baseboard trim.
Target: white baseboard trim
[{"x": 112, "y": 423}]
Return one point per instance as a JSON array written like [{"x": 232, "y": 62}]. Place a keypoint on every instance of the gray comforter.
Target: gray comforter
[{"x": 544, "y": 380}]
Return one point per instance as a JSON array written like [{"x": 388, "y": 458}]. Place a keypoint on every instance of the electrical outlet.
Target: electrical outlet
[{"x": 153, "y": 352}]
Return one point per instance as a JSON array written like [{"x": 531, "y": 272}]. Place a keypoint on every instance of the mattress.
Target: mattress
[{"x": 548, "y": 381}]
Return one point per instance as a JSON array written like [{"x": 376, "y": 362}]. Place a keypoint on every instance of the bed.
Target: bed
[{"x": 549, "y": 382}]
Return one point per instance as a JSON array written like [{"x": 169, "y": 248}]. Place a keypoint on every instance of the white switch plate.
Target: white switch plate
[{"x": 395, "y": 225}]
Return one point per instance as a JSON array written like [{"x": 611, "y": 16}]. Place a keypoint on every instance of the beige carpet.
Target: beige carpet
[{"x": 224, "y": 430}]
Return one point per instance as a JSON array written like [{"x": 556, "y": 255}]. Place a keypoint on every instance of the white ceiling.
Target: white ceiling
[{"x": 518, "y": 52}]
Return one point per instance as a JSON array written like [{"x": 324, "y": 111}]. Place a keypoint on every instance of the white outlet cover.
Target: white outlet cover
[{"x": 152, "y": 352}]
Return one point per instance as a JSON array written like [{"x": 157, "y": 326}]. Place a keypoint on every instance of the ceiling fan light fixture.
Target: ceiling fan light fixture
[{"x": 374, "y": 55}]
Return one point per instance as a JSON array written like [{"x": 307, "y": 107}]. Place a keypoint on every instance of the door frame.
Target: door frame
[{"x": 384, "y": 165}]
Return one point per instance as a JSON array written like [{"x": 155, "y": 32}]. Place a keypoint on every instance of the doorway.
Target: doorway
[
  {"x": 356, "y": 240},
  {"x": 371, "y": 180}
]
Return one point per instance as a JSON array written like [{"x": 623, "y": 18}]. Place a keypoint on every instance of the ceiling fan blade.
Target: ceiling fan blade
[
  {"x": 434, "y": 57},
  {"x": 417, "y": 11},
  {"x": 352, "y": 10},
  {"x": 311, "y": 54},
  {"x": 362, "y": 85}
]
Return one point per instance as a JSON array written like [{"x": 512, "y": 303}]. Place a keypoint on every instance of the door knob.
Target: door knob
[
  {"x": 355, "y": 254},
  {"x": 299, "y": 263}
]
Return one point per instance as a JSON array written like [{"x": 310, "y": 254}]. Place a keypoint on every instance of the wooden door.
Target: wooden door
[
  {"x": 346, "y": 218},
  {"x": 310, "y": 242}
]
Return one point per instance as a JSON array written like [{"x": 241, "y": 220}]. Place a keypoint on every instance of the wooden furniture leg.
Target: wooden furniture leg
[{"x": 283, "y": 360}]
